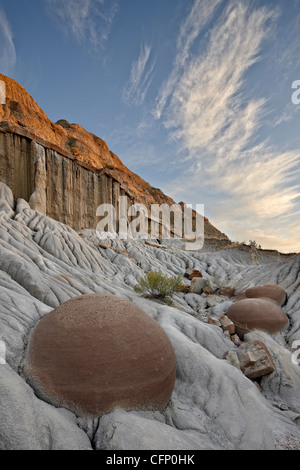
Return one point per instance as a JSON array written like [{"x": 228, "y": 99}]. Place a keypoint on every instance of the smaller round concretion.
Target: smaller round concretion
[
  {"x": 240, "y": 296},
  {"x": 98, "y": 352},
  {"x": 257, "y": 314},
  {"x": 271, "y": 291}
]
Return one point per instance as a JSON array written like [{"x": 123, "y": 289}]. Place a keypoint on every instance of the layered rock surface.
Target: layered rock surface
[
  {"x": 44, "y": 263},
  {"x": 82, "y": 172}
]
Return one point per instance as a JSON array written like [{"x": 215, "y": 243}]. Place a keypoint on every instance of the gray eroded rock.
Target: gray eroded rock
[
  {"x": 233, "y": 358},
  {"x": 214, "y": 406},
  {"x": 197, "y": 285},
  {"x": 31, "y": 424},
  {"x": 6, "y": 195}
]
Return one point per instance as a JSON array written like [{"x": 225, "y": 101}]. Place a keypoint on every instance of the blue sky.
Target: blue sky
[{"x": 193, "y": 95}]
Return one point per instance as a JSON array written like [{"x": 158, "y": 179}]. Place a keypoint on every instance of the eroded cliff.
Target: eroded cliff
[{"x": 62, "y": 169}]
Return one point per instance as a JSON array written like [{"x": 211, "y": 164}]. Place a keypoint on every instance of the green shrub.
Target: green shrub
[{"x": 159, "y": 286}]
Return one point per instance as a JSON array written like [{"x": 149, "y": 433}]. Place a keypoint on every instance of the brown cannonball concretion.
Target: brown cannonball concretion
[
  {"x": 98, "y": 352},
  {"x": 268, "y": 291},
  {"x": 271, "y": 291},
  {"x": 240, "y": 296}
]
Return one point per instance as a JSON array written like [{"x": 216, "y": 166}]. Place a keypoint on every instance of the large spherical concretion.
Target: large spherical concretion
[
  {"x": 99, "y": 352},
  {"x": 257, "y": 314}
]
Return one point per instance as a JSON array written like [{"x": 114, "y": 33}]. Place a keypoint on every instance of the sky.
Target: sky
[{"x": 195, "y": 96}]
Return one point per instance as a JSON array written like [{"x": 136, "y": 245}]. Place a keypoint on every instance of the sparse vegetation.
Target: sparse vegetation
[
  {"x": 219, "y": 282},
  {"x": 254, "y": 244},
  {"x": 75, "y": 151},
  {"x": 63, "y": 123},
  {"x": 159, "y": 286},
  {"x": 72, "y": 142},
  {"x": 237, "y": 282}
]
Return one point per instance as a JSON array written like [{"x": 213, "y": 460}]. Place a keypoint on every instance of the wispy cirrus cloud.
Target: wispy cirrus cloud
[
  {"x": 207, "y": 107},
  {"x": 209, "y": 114},
  {"x": 135, "y": 90},
  {"x": 201, "y": 13},
  {"x": 8, "y": 56},
  {"x": 86, "y": 20},
  {"x": 289, "y": 113}
]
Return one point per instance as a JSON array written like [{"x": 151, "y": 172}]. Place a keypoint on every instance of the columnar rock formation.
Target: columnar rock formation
[
  {"x": 54, "y": 184},
  {"x": 64, "y": 171}
]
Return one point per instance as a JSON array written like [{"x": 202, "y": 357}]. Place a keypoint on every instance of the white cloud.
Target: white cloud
[
  {"x": 8, "y": 56},
  {"x": 136, "y": 89},
  {"x": 205, "y": 102},
  {"x": 289, "y": 113},
  {"x": 210, "y": 118},
  {"x": 201, "y": 13},
  {"x": 86, "y": 20}
]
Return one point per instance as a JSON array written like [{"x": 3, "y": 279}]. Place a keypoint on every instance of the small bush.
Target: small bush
[{"x": 157, "y": 285}]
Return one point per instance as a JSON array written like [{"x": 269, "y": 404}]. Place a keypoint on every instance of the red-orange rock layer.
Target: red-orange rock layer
[
  {"x": 71, "y": 140},
  {"x": 22, "y": 115}
]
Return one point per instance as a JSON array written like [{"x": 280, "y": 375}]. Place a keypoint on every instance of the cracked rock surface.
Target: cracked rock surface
[{"x": 44, "y": 263}]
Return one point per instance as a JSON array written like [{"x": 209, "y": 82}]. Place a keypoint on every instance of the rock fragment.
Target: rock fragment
[
  {"x": 198, "y": 284},
  {"x": 232, "y": 357},
  {"x": 227, "y": 324},
  {"x": 255, "y": 359},
  {"x": 207, "y": 290},
  {"x": 228, "y": 292},
  {"x": 195, "y": 273},
  {"x": 236, "y": 340},
  {"x": 213, "y": 321},
  {"x": 155, "y": 245}
]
